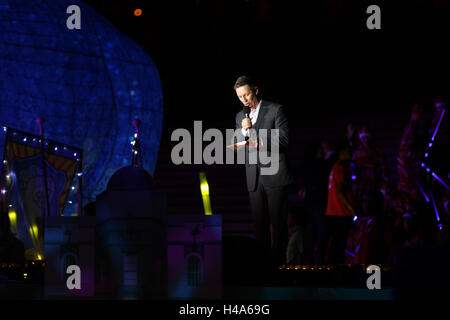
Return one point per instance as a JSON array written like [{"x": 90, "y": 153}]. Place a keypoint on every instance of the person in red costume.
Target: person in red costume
[{"x": 339, "y": 210}]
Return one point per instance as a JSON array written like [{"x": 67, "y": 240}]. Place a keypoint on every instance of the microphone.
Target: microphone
[{"x": 246, "y": 110}]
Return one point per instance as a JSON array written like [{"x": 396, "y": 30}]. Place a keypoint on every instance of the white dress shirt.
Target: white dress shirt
[{"x": 253, "y": 116}]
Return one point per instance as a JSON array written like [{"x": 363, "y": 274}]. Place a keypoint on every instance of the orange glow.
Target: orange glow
[{"x": 137, "y": 12}]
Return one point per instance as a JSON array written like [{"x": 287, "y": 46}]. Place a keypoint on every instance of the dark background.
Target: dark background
[{"x": 317, "y": 57}]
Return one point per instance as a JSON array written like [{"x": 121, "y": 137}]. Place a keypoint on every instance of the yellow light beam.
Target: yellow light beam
[
  {"x": 13, "y": 220},
  {"x": 204, "y": 188}
]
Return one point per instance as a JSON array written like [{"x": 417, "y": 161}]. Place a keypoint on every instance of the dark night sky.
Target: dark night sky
[{"x": 309, "y": 55}]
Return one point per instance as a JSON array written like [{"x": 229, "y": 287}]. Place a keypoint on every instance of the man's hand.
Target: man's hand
[
  {"x": 302, "y": 193},
  {"x": 253, "y": 142},
  {"x": 246, "y": 123},
  {"x": 350, "y": 131}
]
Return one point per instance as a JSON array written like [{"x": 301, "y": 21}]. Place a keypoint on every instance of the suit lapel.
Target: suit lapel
[{"x": 261, "y": 114}]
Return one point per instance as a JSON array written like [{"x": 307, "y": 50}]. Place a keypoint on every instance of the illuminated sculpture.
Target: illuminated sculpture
[{"x": 88, "y": 84}]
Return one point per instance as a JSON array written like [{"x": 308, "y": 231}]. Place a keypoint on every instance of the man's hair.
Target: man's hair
[{"x": 245, "y": 80}]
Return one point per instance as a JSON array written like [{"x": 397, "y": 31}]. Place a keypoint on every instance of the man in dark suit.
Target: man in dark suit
[{"x": 268, "y": 189}]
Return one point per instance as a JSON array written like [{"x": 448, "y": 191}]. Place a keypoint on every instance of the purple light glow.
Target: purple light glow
[
  {"x": 435, "y": 208},
  {"x": 424, "y": 194},
  {"x": 438, "y": 125},
  {"x": 440, "y": 180}
]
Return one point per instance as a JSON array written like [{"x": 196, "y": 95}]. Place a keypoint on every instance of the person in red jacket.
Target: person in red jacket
[{"x": 339, "y": 210}]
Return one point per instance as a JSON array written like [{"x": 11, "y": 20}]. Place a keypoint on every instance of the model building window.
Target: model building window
[
  {"x": 194, "y": 266},
  {"x": 129, "y": 270}
]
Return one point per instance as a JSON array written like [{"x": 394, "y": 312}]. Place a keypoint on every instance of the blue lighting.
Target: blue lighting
[{"x": 87, "y": 84}]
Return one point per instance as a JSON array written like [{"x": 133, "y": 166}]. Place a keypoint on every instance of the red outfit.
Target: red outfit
[
  {"x": 335, "y": 206},
  {"x": 371, "y": 170}
]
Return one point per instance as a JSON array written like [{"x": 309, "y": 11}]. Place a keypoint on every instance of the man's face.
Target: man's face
[{"x": 247, "y": 96}]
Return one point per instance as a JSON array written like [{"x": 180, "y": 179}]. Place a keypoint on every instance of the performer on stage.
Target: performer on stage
[{"x": 268, "y": 193}]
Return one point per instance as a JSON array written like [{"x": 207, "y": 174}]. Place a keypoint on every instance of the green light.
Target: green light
[{"x": 204, "y": 188}]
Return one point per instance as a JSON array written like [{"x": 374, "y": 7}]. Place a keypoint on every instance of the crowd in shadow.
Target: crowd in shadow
[{"x": 349, "y": 209}]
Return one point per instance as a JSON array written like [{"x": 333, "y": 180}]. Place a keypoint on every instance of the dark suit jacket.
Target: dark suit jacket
[{"x": 271, "y": 116}]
